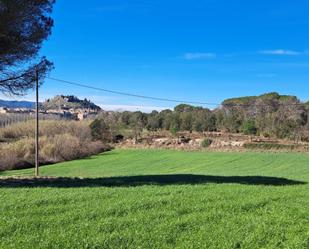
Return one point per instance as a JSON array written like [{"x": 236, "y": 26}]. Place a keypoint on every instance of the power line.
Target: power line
[
  {"x": 131, "y": 94},
  {"x": 167, "y": 99}
]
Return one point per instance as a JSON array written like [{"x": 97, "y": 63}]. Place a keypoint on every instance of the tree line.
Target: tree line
[{"x": 268, "y": 115}]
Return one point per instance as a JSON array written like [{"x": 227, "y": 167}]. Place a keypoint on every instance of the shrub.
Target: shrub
[
  {"x": 266, "y": 135},
  {"x": 206, "y": 142},
  {"x": 100, "y": 130},
  {"x": 174, "y": 129},
  {"x": 59, "y": 148},
  {"x": 249, "y": 128},
  {"x": 59, "y": 141},
  {"x": 17, "y": 155},
  {"x": 271, "y": 146}
]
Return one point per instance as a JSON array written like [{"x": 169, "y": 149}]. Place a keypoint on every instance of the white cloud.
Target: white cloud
[
  {"x": 280, "y": 52},
  {"x": 122, "y": 108},
  {"x": 103, "y": 105},
  {"x": 30, "y": 98},
  {"x": 194, "y": 56}
]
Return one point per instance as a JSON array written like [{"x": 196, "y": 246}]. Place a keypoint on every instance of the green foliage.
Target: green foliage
[
  {"x": 138, "y": 121},
  {"x": 174, "y": 129},
  {"x": 95, "y": 127},
  {"x": 186, "y": 121},
  {"x": 175, "y": 123},
  {"x": 24, "y": 25},
  {"x": 100, "y": 130},
  {"x": 186, "y": 108},
  {"x": 249, "y": 128},
  {"x": 206, "y": 142},
  {"x": 271, "y": 146},
  {"x": 272, "y": 95},
  {"x": 273, "y": 114},
  {"x": 231, "y": 207},
  {"x": 239, "y": 101},
  {"x": 154, "y": 121}
]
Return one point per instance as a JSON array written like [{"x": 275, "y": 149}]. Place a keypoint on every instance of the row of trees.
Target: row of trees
[{"x": 267, "y": 115}]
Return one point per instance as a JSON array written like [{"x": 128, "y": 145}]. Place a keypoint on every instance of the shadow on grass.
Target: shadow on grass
[{"x": 132, "y": 181}]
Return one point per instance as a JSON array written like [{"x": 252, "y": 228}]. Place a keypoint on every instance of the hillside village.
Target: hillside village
[
  {"x": 7, "y": 110},
  {"x": 69, "y": 107}
]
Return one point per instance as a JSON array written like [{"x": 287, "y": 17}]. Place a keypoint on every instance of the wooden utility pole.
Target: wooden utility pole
[{"x": 37, "y": 124}]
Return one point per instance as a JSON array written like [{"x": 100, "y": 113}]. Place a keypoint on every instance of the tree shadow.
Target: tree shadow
[{"x": 141, "y": 180}]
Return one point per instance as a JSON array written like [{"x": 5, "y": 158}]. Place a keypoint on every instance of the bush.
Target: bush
[
  {"x": 249, "y": 128},
  {"x": 271, "y": 146},
  {"x": 206, "y": 142},
  {"x": 174, "y": 129},
  {"x": 17, "y": 155},
  {"x": 100, "y": 130},
  {"x": 59, "y": 148},
  {"x": 266, "y": 135},
  {"x": 59, "y": 141}
]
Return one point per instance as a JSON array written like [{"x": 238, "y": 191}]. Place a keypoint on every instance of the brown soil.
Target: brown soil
[{"x": 220, "y": 142}]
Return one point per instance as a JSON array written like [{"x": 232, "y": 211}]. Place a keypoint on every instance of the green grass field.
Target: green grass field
[{"x": 160, "y": 199}]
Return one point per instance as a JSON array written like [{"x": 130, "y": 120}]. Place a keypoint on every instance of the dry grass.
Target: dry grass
[{"x": 59, "y": 141}]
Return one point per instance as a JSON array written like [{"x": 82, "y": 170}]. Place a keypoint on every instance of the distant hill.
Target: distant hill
[
  {"x": 16, "y": 104},
  {"x": 69, "y": 102}
]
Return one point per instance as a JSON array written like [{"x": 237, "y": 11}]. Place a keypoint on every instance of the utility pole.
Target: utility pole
[{"x": 37, "y": 124}]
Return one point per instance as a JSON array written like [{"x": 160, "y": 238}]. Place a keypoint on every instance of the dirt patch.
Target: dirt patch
[{"x": 220, "y": 142}]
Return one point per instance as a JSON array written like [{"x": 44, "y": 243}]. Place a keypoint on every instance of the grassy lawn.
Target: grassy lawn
[{"x": 160, "y": 199}]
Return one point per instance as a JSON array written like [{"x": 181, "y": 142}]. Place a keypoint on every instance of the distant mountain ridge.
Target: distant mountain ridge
[{"x": 16, "y": 104}]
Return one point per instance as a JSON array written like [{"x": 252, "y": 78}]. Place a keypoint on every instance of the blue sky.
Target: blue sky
[{"x": 198, "y": 50}]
